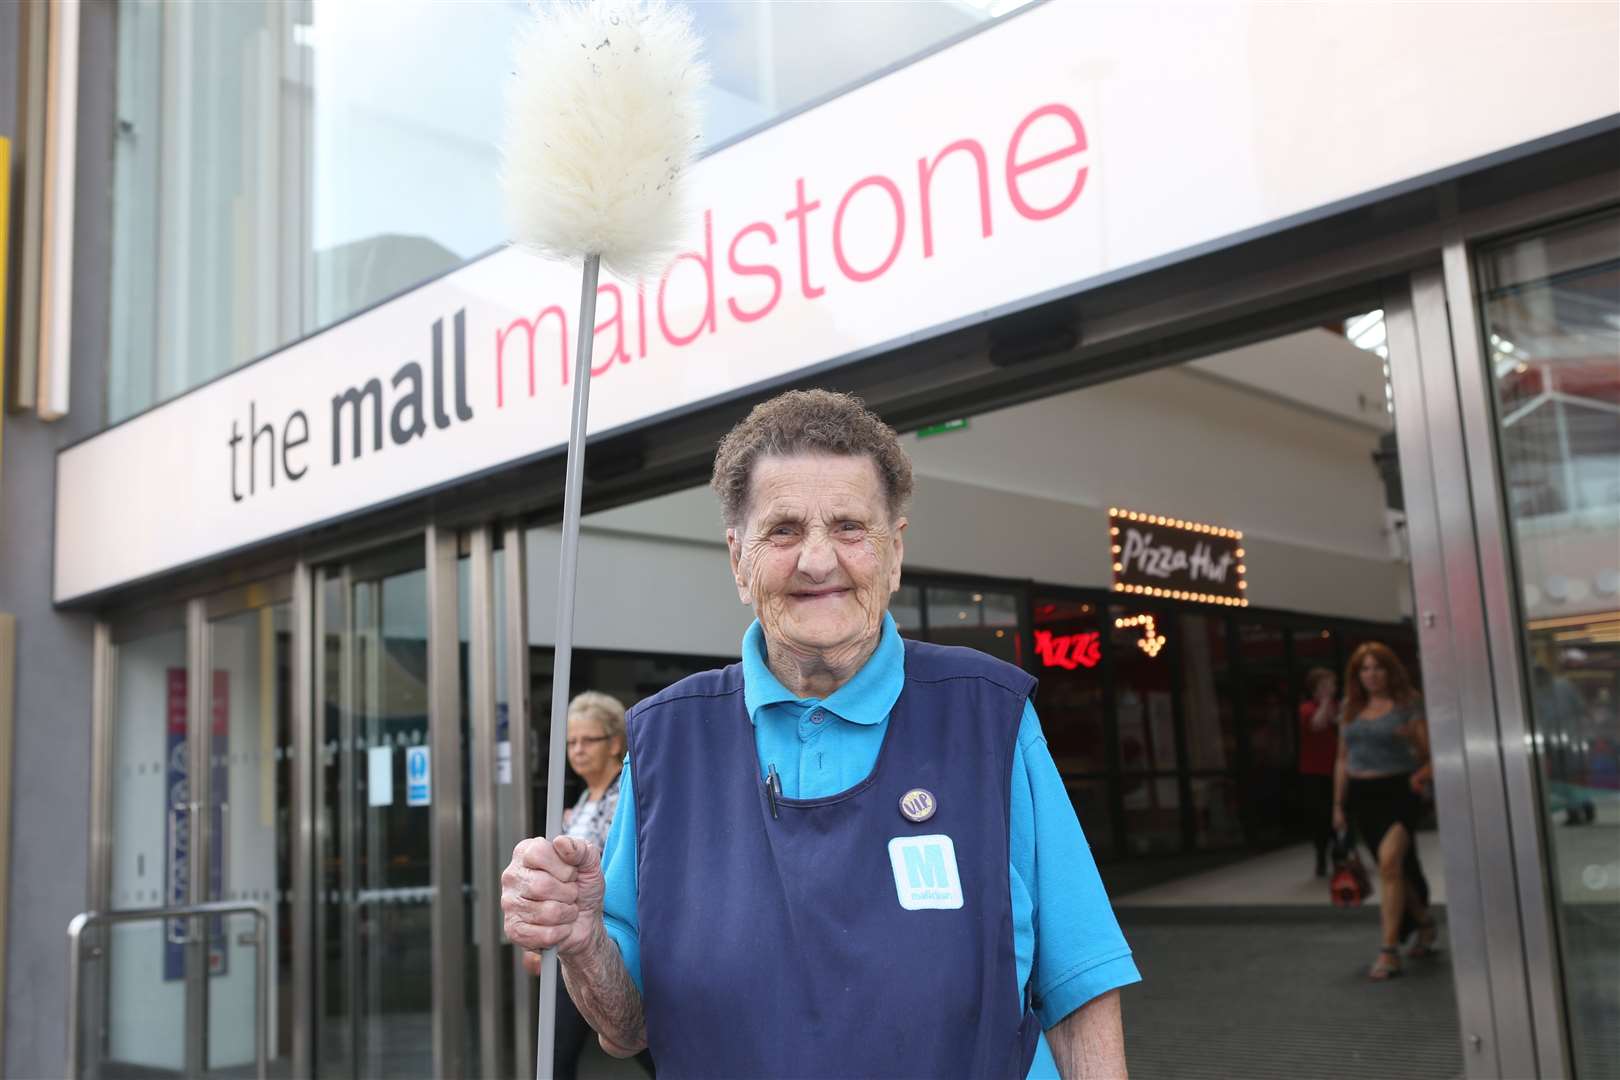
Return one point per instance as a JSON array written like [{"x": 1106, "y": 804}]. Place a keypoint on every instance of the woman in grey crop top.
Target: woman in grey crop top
[
  {"x": 1380, "y": 745},
  {"x": 1381, "y": 773}
]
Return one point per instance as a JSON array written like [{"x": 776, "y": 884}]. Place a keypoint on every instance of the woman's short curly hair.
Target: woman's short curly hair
[{"x": 808, "y": 422}]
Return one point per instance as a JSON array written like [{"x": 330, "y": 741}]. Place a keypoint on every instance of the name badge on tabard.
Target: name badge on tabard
[{"x": 918, "y": 804}]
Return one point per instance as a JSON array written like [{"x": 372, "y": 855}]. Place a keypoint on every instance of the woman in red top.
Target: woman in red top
[{"x": 1318, "y": 749}]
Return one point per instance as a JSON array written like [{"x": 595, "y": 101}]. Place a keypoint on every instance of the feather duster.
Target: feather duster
[{"x": 603, "y": 119}]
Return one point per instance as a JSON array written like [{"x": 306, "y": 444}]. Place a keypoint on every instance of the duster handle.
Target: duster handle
[{"x": 567, "y": 575}]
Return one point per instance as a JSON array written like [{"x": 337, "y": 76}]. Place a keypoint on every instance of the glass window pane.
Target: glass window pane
[
  {"x": 766, "y": 59},
  {"x": 198, "y": 240},
  {"x": 146, "y": 986},
  {"x": 1552, "y": 312},
  {"x": 1142, "y": 690},
  {"x": 1068, "y": 658},
  {"x": 375, "y": 901},
  {"x": 251, "y": 789},
  {"x": 987, "y": 621}
]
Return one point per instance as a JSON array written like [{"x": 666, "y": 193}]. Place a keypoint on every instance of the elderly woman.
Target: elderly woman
[
  {"x": 848, "y": 854},
  {"x": 596, "y": 754}
]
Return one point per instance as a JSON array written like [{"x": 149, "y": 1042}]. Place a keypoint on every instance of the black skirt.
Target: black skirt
[
  {"x": 1379, "y": 803},
  {"x": 1376, "y": 806}
]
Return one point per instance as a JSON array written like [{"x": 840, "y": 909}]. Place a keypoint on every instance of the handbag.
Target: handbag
[{"x": 1349, "y": 886}]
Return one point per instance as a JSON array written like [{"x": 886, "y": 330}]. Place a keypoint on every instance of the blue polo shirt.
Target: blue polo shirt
[{"x": 821, "y": 747}]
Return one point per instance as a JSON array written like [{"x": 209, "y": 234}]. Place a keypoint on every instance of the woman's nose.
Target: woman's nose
[{"x": 816, "y": 557}]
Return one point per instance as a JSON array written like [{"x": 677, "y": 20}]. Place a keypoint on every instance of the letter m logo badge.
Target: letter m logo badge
[{"x": 925, "y": 874}]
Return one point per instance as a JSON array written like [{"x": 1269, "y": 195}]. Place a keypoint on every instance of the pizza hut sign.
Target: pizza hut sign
[{"x": 1175, "y": 559}]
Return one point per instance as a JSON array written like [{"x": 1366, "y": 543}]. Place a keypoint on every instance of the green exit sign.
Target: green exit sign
[{"x": 940, "y": 429}]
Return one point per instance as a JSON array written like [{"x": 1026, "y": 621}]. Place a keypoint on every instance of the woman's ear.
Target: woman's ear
[
  {"x": 897, "y": 537},
  {"x": 734, "y": 550}
]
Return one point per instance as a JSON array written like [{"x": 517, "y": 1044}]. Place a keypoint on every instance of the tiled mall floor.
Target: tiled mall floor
[
  {"x": 1281, "y": 877},
  {"x": 1281, "y": 992}
]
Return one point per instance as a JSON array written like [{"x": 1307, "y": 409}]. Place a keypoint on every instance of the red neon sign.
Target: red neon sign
[{"x": 1069, "y": 651}]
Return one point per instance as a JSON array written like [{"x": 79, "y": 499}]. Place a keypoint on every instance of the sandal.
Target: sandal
[
  {"x": 1425, "y": 945},
  {"x": 1387, "y": 966}
]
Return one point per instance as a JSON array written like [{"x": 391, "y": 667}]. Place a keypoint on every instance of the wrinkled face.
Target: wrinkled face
[
  {"x": 1374, "y": 679},
  {"x": 818, "y": 556},
  {"x": 591, "y": 752}
]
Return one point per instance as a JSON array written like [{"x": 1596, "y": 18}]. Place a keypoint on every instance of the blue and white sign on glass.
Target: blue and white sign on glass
[{"x": 418, "y": 776}]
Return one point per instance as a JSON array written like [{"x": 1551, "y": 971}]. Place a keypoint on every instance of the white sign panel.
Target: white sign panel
[
  {"x": 380, "y": 776},
  {"x": 1067, "y": 142}
]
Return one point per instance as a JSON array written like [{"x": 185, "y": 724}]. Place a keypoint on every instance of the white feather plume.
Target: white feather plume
[{"x": 603, "y": 120}]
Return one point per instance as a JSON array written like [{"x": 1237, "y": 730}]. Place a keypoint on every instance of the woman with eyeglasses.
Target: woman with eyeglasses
[
  {"x": 596, "y": 754},
  {"x": 596, "y": 745}
]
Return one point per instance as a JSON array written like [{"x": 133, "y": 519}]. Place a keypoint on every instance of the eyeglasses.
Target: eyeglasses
[{"x": 587, "y": 740}]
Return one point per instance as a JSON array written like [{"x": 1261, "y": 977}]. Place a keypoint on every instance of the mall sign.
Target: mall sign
[{"x": 1060, "y": 147}]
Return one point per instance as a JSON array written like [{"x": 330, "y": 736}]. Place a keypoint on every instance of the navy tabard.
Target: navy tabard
[{"x": 778, "y": 946}]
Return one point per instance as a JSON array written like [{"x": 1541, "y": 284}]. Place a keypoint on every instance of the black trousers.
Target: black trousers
[
  {"x": 1316, "y": 804},
  {"x": 572, "y": 1032}
]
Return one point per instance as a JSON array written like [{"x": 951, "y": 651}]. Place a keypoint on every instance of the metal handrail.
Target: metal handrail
[{"x": 261, "y": 948}]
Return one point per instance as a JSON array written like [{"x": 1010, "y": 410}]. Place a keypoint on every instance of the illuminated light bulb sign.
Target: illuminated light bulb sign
[
  {"x": 1068, "y": 651},
  {"x": 1170, "y": 558},
  {"x": 1151, "y": 641}
]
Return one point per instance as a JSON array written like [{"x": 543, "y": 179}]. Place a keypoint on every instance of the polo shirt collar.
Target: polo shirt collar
[{"x": 865, "y": 699}]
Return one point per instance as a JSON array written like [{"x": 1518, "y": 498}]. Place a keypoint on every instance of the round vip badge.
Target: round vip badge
[{"x": 918, "y": 804}]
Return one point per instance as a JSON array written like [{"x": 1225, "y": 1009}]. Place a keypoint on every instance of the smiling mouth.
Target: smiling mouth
[{"x": 818, "y": 594}]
